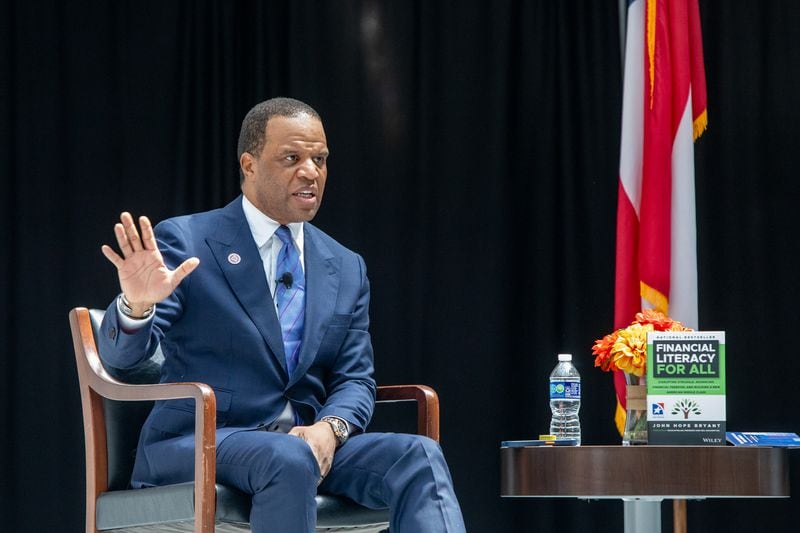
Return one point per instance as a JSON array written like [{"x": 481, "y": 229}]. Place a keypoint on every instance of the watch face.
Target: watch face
[{"x": 339, "y": 429}]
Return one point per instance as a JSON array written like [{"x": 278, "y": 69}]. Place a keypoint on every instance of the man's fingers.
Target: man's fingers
[
  {"x": 112, "y": 256},
  {"x": 299, "y": 432},
  {"x": 131, "y": 232},
  {"x": 128, "y": 237},
  {"x": 325, "y": 466},
  {"x": 184, "y": 269},
  {"x": 148, "y": 237},
  {"x": 122, "y": 240}
]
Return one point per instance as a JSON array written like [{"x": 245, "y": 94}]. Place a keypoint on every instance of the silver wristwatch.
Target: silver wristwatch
[
  {"x": 339, "y": 427},
  {"x": 125, "y": 307}
]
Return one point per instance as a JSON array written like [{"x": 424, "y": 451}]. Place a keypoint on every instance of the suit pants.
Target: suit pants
[{"x": 406, "y": 473}]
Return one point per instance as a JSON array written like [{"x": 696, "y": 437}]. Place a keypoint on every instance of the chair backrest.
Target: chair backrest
[{"x": 124, "y": 420}]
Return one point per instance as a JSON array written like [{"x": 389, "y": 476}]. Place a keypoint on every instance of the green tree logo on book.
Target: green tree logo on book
[{"x": 686, "y": 407}]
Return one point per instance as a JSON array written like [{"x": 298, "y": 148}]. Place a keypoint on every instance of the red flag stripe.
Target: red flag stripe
[{"x": 664, "y": 110}]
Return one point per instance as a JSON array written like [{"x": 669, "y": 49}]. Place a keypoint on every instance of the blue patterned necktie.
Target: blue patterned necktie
[{"x": 290, "y": 297}]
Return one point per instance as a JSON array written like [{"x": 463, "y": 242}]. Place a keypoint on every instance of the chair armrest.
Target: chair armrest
[
  {"x": 427, "y": 405},
  {"x": 95, "y": 380}
]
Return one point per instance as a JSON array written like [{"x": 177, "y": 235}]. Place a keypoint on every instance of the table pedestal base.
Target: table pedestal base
[{"x": 642, "y": 515}]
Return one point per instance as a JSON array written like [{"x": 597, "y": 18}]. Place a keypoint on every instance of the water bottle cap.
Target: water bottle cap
[{"x": 564, "y": 357}]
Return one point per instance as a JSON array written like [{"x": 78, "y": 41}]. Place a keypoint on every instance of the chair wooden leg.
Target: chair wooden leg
[{"x": 679, "y": 516}]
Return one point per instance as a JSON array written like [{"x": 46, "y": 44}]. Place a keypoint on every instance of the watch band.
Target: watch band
[{"x": 125, "y": 308}]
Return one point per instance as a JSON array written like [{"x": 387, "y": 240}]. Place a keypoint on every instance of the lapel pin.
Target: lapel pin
[{"x": 234, "y": 258}]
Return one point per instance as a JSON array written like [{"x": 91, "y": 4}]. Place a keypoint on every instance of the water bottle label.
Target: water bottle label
[{"x": 565, "y": 389}]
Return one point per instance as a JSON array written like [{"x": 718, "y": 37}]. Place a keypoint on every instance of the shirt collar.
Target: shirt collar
[{"x": 263, "y": 228}]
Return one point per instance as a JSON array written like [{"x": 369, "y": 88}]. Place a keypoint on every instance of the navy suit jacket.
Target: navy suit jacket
[{"x": 220, "y": 327}]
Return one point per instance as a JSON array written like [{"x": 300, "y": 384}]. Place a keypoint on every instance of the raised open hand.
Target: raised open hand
[{"x": 143, "y": 276}]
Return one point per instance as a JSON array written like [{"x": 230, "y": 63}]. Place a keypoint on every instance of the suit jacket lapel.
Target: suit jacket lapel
[
  {"x": 237, "y": 256},
  {"x": 322, "y": 285}
]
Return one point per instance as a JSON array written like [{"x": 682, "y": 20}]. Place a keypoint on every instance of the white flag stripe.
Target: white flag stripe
[
  {"x": 630, "y": 166},
  {"x": 683, "y": 256}
]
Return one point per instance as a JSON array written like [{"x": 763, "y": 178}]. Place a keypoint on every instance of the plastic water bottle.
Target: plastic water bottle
[{"x": 565, "y": 399}]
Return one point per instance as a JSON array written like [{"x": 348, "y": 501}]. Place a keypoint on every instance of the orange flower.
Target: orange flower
[
  {"x": 677, "y": 326},
  {"x": 626, "y": 349},
  {"x": 629, "y": 352},
  {"x": 602, "y": 350},
  {"x": 659, "y": 320}
]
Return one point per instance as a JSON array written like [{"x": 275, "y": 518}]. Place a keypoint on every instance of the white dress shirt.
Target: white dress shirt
[{"x": 269, "y": 245}]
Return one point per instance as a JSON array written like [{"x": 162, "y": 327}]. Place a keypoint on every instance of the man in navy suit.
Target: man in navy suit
[{"x": 292, "y": 400}]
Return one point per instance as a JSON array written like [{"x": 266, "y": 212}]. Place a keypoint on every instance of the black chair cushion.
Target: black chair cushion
[
  {"x": 170, "y": 504},
  {"x": 174, "y": 504}
]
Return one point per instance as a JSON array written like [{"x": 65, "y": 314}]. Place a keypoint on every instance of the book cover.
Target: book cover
[{"x": 686, "y": 387}]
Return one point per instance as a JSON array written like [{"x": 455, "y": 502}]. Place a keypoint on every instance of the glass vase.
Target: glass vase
[{"x": 635, "y": 411}]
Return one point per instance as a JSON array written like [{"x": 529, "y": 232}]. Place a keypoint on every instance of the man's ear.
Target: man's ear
[{"x": 247, "y": 162}]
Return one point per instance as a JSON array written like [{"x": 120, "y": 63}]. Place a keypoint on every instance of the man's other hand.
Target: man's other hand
[{"x": 322, "y": 441}]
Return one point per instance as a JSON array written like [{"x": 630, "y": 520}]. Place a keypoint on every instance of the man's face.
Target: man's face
[{"x": 286, "y": 180}]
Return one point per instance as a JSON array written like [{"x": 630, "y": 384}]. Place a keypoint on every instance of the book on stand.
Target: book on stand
[{"x": 686, "y": 387}]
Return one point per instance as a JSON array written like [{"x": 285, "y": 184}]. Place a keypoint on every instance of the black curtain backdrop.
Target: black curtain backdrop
[{"x": 474, "y": 165}]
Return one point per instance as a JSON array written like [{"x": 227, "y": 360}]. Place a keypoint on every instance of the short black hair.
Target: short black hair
[{"x": 254, "y": 126}]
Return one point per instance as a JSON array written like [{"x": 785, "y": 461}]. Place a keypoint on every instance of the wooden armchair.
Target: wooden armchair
[{"x": 114, "y": 409}]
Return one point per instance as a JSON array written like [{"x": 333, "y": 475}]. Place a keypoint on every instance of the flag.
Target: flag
[{"x": 663, "y": 112}]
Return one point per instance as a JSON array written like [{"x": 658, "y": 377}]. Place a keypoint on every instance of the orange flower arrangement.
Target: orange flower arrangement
[{"x": 626, "y": 349}]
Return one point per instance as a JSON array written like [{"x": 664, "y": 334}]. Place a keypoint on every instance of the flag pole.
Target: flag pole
[{"x": 678, "y": 505}]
